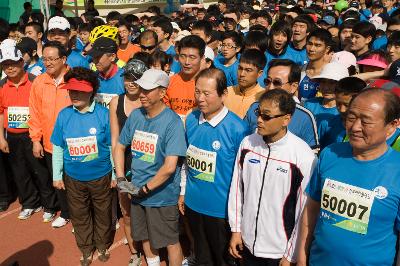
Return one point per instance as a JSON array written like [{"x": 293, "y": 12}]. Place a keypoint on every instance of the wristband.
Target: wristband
[{"x": 148, "y": 190}]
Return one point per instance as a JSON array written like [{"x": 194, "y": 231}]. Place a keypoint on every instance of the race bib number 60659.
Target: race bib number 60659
[
  {"x": 346, "y": 206},
  {"x": 144, "y": 146}
]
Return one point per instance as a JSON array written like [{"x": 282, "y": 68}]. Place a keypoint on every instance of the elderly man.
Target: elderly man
[
  {"x": 352, "y": 214},
  {"x": 157, "y": 140}
]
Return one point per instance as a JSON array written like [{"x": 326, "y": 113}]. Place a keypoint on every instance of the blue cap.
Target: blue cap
[{"x": 329, "y": 20}]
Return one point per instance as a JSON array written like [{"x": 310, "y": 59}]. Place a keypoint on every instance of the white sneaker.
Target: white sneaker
[
  {"x": 116, "y": 226},
  {"x": 125, "y": 241},
  {"x": 59, "y": 222},
  {"x": 48, "y": 217},
  {"x": 135, "y": 260},
  {"x": 27, "y": 213}
]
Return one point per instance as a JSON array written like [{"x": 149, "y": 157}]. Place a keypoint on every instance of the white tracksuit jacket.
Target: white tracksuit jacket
[{"x": 273, "y": 232}]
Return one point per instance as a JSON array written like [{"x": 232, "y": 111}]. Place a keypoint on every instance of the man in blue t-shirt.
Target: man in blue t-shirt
[
  {"x": 319, "y": 45},
  {"x": 157, "y": 139},
  {"x": 352, "y": 215},
  {"x": 59, "y": 30},
  {"x": 214, "y": 134},
  {"x": 104, "y": 53},
  {"x": 285, "y": 74},
  {"x": 228, "y": 61}
]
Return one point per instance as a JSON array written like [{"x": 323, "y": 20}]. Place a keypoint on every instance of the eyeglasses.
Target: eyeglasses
[
  {"x": 51, "y": 60},
  {"x": 147, "y": 48},
  {"x": 229, "y": 46},
  {"x": 266, "y": 117},
  {"x": 275, "y": 82}
]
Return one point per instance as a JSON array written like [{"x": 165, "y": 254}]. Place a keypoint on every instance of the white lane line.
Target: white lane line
[{"x": 9, "y": 213}]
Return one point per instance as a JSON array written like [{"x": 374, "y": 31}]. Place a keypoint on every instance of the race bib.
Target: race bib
[
  {"x": 144, "y": 146},
  {"x": 346, "y": 206},
  {"x": 104, "y": 99},
  {"x": 83, "y": 149},
  {"x": 18, "y": 117},
  {"x": 201, "y": 163}
]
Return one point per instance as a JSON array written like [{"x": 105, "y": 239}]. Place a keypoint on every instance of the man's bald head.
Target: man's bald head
[{"x": 389, "y": 101}]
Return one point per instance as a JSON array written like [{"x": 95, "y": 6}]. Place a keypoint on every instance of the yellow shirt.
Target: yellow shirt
[{"x": 239, "y": 102}]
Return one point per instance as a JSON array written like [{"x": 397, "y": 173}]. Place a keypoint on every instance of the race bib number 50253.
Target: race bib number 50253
[
  {"x": 346, "y": 206},
  {"x": 144, "y": 146},
  {"x": 18, "y": 117},
  {"x": 83, "y": 149}
]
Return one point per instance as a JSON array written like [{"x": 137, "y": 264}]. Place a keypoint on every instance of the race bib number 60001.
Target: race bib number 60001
[
  {"x": 83, "y": 149},
  {"x": 18, "y": 117},
  {"x": 144, "y": 146},
  {"x": 201, "y": 163},
  {"x": 346, "y": 206}
]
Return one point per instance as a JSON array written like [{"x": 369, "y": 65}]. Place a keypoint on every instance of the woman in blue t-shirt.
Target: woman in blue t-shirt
[{"x": 82, "y": 164}]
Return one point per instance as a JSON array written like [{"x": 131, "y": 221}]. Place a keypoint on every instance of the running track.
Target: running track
[{"x": 34, "y": 243}]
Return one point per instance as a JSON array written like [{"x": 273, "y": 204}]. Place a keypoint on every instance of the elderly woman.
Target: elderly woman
[{"x": 82, "y": 164}]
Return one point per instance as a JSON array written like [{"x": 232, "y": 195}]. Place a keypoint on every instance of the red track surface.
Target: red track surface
[{"x": 34, "y": 243}]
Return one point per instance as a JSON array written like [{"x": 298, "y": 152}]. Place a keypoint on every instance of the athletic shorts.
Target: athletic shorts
[{"x": 160, "y": 225}]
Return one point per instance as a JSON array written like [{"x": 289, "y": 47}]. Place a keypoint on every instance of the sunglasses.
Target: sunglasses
[
  {"x": 266, "y": 117},
  {"x": 148, "y": 48},
  {"x": 275, "y": 82}
]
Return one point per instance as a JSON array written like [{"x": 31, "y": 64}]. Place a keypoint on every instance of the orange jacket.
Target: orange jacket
[{"x": 46, "y": 100}]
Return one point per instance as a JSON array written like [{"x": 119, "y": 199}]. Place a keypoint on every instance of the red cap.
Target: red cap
[{"x": 78, "y": 85}]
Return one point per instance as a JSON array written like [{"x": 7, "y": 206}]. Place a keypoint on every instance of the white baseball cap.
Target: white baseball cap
[
  {"x": 209, "y": 53},
  {"x": 9, "y": 51},
  {"x": 333, "y": 71},
  {"x": 58, "y": 23},
  {"x": 152, "y": 79}
]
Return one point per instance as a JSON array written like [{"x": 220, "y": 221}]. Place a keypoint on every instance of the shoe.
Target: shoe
[
  {"x": 86, "y": 260},
  {"x": 103, "y": 255},
  {"x": 59, "y": 222},
  {"x": 135, "y": 260},
  {"x": 125, "y": 241},
  {"x": 73, "y": 230},
  {"x": 27, "y": 213},
  {"x": 48, "y": 217},
  {"x": 115, "y": 226}
]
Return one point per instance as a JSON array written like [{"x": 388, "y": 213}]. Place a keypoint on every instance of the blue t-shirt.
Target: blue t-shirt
[
  {"x": 75, "y": 59},
  {"x": 210, "y": 159},
  {"x": 79, "y": 45},
  {"x": 110, "y": 88},
  {"x": 86, "y": 140},
  {"x": 307, "y": 88},
  {"x": 331, "y": 131},
  {"x": 298, "y": 56},
  {"x": 171, "y": 51},
  {"x": 152, "y": 140},
  {"x": 175, "y": 66},
  {"x": 321, "y": 114},
  {"x": 358, "y": 222},
  {"x": 302, "y": 124},
  {"x": 230, "y": 71},
  {"x": 380, "y": 43}
]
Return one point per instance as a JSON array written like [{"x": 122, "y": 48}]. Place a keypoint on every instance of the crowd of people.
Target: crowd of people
[{"x": 246, "y": 133}]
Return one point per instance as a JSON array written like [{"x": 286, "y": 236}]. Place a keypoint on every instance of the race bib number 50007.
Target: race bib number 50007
[
  {"x": 346, "y": 206},
  {"x": 201, "y": 163},
  {"x": 18, "y": 117},
  {"x": 83, "y": 149},
  {"x": 144, "y": 146}
]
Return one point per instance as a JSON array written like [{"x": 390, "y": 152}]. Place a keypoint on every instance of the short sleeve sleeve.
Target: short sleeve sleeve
[
  {"x": 175, "y": 140},
  {"x": 57, "y": 137},
  {"x": 314, "y": 189}
]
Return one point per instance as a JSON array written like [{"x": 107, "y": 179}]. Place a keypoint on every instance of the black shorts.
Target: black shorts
[{"x": 160, "y": 225}]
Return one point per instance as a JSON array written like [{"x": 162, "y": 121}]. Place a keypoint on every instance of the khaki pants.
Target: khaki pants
[{"x": 89, "y": 205}]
